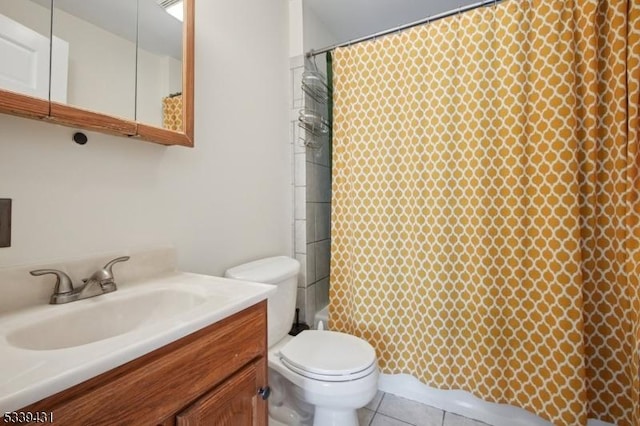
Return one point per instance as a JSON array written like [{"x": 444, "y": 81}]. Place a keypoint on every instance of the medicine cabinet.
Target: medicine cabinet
[{"x": 123, "y": 67}]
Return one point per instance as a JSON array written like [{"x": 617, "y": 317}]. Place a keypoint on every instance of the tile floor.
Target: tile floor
[{"x": 390, "y": 410}]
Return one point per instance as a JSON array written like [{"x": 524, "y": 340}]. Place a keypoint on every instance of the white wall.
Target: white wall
[
  {"x": 316, "y": 33},
  {"x": 30, "y": 14},
  {"x": 295, "y": 28},
  {"x": 225, "y": 201}
]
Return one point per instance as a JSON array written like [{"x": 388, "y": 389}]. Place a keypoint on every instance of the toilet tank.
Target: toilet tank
[{"x": 281, "y": 271}]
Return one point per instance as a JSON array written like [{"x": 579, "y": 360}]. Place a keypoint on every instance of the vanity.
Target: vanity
[
  {"x": 169, "y": 349},
  {"x": 214, "y": 376}
]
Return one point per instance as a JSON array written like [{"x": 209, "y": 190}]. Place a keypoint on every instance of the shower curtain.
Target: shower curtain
[{"x": 486, "y": 204}]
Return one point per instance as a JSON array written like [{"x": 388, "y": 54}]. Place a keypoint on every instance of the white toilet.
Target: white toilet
[{"x": 317, "y": 378}]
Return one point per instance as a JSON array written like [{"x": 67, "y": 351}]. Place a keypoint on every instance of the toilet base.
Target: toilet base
[{"x": 335, "y": 417}]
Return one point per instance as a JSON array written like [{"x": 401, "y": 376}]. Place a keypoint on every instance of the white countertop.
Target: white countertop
[{"x": 27, "y": 375}]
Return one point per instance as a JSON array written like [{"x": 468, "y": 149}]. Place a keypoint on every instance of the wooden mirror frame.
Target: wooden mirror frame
[
  {"x": 168, "y": 137},
  {"x": 27, "y": 106}
]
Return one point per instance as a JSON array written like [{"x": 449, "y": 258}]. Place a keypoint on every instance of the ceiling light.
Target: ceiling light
[{"x": 174, "y": 8}]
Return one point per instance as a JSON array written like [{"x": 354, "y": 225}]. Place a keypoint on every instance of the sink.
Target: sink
[
  {"x": 103, "y": 319},
  {"x": 45, "y": 349}
]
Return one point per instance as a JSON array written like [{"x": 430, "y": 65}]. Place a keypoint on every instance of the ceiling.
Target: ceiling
[{"x": 351, "y": 19}]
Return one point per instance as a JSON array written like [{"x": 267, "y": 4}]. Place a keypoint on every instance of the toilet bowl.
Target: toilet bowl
[{"x": 318, "y": 377}]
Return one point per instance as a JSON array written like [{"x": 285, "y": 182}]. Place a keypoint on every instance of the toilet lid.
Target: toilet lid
[{"x": 328, "y": 353}]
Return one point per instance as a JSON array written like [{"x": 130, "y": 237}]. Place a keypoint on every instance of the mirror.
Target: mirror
[
  {"x": 102, "y": 54},
  {"x": 165, "y": 71},
  {"x": 159, "y": 88},
  {"x": 24, "y": 48},
  {"x": 117, "y": 66}
]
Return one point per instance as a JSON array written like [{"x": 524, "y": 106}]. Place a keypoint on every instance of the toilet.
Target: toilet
[{"x": 318, "y": 377}]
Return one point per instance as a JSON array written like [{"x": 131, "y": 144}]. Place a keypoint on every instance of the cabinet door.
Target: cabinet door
[
  {"x": 101, "y": 61},
  {"x": 234, "y": 403}
]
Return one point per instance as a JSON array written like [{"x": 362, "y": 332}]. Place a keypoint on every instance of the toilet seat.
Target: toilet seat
[
  {"x": 328, "y": 356},
  {"x": 330, "y": 378}
]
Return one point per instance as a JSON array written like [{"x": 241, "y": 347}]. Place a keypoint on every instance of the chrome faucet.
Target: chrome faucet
[{"x": 100, "y": 282}]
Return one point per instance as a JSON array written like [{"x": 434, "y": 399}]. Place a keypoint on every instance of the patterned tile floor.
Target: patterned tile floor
[{"x": 390, "y": 410}]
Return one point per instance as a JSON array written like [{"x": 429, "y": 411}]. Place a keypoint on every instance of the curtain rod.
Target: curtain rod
[{"x": 432, "y": 18}]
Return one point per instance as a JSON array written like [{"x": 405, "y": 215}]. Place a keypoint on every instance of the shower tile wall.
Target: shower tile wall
[{"x": 312, "y": 207}]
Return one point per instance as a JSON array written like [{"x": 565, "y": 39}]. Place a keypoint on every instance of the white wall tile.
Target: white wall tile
[
  {"x": 323, "y": 221},
  {"x": 322, "y": 258},
  {"x": 312, "y": 184},
  {"x": 320, "y": 155},
  {"x": 296, "y": 89},
  {"x": 300, "y": 205},
  {"x": 300, "y": 236},
  {"x": 300, "y": 302},
  {"x": 311, "y": 264},
  {"x": 292, "y": 131},
  {"x": 300, "y": 170},
  {"x": 324, "y": 154},
  {"x": 310, "y": 305},
  {"x": 298, "y": 146},
  {"x": 311, "y": 222},
  {"x": 311, "y": 156},
  {"x": 296, "y": 61},
  {"x": 293, "y": 237},
  {"x": 323, "y": 176},
  {"x": 302, "y": 277},
  {"x": 322, "y": 293}
]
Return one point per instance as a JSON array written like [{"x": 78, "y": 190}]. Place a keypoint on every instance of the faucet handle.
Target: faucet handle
[
  {"x": 109, "y": 265},
  {"x": 104, "y": 276},
  {"x": 63, "y": 282}
]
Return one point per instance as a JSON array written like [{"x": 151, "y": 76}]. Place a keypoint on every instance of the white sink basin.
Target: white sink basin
[
  {"x": 49, "y": 348},
  {"x": 98, "y": 321}
]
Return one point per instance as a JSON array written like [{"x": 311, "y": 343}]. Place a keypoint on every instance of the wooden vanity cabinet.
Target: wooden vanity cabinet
[
  {"x": 235, "y": 402},
  {"x": 210, "y": 377}
]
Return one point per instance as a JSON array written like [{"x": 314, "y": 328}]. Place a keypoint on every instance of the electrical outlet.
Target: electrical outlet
[{"x": 5, "y": 222}]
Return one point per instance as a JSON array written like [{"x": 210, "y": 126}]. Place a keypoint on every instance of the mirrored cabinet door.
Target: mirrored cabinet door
[
  {"x": 101, "y": 61},
  {"x": 159, "y": 89},
  {"x": 164, "y": 104},
  {"x": 124, "y": 67},
  {"x": 25, "y": 34}
]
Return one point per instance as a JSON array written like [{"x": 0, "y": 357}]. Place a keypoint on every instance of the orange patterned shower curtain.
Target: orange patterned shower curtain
[{"x": 486, "y": 205}]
